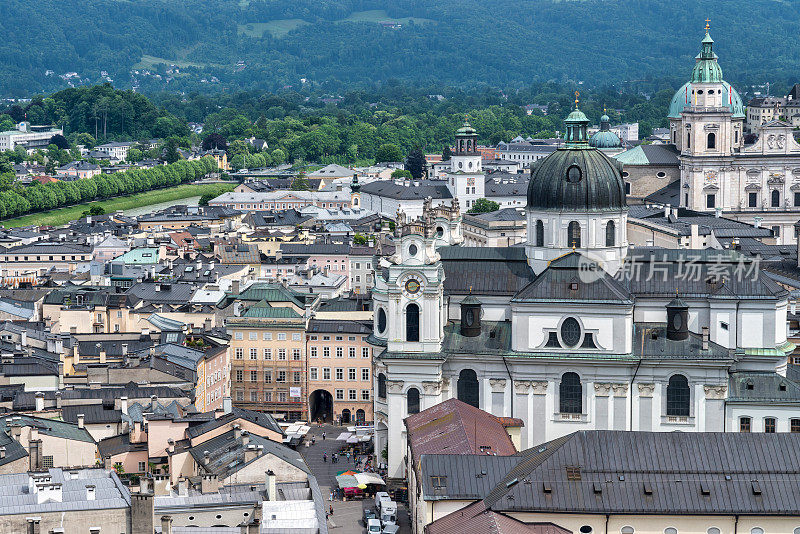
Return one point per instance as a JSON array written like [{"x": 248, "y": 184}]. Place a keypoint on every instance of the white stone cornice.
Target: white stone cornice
[
  {"x": 539, "y": 387},
  {"x": 522, "y": 386},
  {"x": 717, "y": 392},
  {"x": 620, "y": 390},
  {"x": 394, "y": 386},
  {"x": 432, "y": 388},
  {"x": 498, "y": 384},
  {"x": 646, "y": 390},
  {"x": 601, "y": 389}
]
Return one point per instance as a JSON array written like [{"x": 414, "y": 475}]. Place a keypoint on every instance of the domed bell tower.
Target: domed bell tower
[
  {"x": 677, "y": 319},
  {"x": 466, "y": 180},
  {"x": 470, "y": 316}
]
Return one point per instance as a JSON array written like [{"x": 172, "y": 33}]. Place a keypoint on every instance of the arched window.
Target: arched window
[
  {"x": 756, "y": 530},
  {"x": 610, "y": 234},
  {"x": 381, "y": 385},
  {"x": 713, "y": 530},
  {"x": 688, "y": 139},
  {"x": 539, "y": 234},
  {"x": 412, "y": 322},
  {"x": 776, "y": 198},
  {"x": 574, "y": 235},
  {"x": 712, "y": 140},
  {"x": 570, "y": 394},
  {"x": 412, "y": 401},
  {"x": 381, "y": 320},
  {"x": 626, "y": 530},
  {"x": 467, "y": 388},
  {"x": 678, "y": 396}
]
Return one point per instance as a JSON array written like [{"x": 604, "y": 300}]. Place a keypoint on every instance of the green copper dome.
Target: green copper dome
[
  {"x": 683, "y": 98},
  {"x": 577, "y": 123},
  {"x": 706, "y": 70},
  {"x": 605, "y": 138},
  {"x": 605, "y": 118},
  {"x": 466, "y": 130}
]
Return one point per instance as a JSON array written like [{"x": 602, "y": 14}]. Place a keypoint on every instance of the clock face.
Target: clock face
[{"x": 412, "y": 286}]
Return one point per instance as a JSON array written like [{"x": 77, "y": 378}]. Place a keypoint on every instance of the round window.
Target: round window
[
  {"x": 586, "y": 529},
  {"x": 670, "y": 530},
  {"x": 574, "y": 174},
  {"x": 625, "y": 174},
  {"x": 677, "y": 321},
  {"x": 661, "y": 174},
  {"x": 412, "y": 250},
  {"x": 469, "y": 317},
  {"x": 626, "y": 530},
  {"x": 715, "y": 530},
  {"x": 439, "y": 231},
  {"x": 381, "y": 320},
  {"x": 460, "y": 164},
  {"x": 470, "y": 164},
  {"x": 570, "y": 331}
]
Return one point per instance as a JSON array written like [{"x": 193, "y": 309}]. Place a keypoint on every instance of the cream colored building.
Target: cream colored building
[{"x": 502, "y": 228}]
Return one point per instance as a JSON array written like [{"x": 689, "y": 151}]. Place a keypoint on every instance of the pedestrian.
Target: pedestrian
[
  {"x": 325, "y": 457},
  {"x": 331, "y": 510},
  {"x": 323, "y": 436},
  {"x": 330, "y": 498},
  {"x": 313, "y": 440}
]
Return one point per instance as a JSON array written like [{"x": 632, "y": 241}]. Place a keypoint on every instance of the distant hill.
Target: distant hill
[{"x": 269, "y": 44}]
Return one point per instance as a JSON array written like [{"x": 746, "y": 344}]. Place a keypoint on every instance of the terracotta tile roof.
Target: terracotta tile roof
[
  {"x": 475, "y": 519},
  {"x": 451, "y": 427}
]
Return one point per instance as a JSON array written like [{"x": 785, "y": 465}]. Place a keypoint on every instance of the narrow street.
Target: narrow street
[{"x": 347, "y": 516}]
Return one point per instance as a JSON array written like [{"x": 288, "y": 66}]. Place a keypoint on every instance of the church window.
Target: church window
[
  {"x": 381, "y": 385},
  {"x": 460, "y": 164},
  {"x": 776, "y": 231},
  {"x": 570, "y": 332},
  {"x": 688, "y": 139},
  {"x": 570, "y": 394},
  {"x": 711, "y": 201},
  {"x": 588, "y": 342},
  {"x": 744, "y": 424},
  {"x": 678, "y": 396},
  {"x": 574, "y": 234},
  {"x": 412, "y": 401},
  {"x": 752, "y": 200},
  {"x": 552, "y": 340},
  {"x": 467, "y": 387},
  {"x": 661, "y": 174},
  {"x": 627, "y": 188},
  {"x": 769, "y": 425},
  {"x": 794, "y": 426},
  {"x": 736, "y": 137},
  {"x": 776, "y": 198},
  {"x": 412, "y": 250},
  {"x": 797, "y": 199},
  {"x": 412, "y": 322},
  {"x": 539, "y": 233},
  {"x": 673, "y": 136},
  {"x": 712, "y": 140},
  {"x": 470, "y": 164},
  {"x": 574, "y": 174},
  {"x": 610, "y": 234}
]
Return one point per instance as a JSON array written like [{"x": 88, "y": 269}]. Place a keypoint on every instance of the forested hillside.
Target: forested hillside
[{"x": 269, "y": 44}]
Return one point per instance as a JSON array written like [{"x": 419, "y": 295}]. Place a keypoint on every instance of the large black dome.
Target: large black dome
[{"x": 577, "y": 179}]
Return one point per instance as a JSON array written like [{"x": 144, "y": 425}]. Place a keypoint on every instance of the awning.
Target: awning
[
  {"x": 347, "y": 481},
  {"x": 369, "y": 478},
  {"x": 353, "y": 439},
  {"x": 344, "y": 436}
]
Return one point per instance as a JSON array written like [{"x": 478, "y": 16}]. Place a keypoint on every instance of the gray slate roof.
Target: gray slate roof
[
  {"x": 657, "y": 473},
  {"x": 435, "y": 189},
  {"x": 486, "y": 271}
]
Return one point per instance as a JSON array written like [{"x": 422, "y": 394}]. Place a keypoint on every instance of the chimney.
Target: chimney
[
  {"x": 245, "y": 438},
  {"x": 2, "y": 452},
  {"x": 58, "y": 398},
  {"x": 161, "y": 484},
  {"x": 237, "y": 431},
  {"x": 166, "y": 524},
  {"x": 206, "y": 457},
  {"x": 227, "y": 404},
  {"x": 23, "y": 339},
  {"x": 254, "y": 526},
  {"x": 235, "y": 287},
  {"x": 667, "y": 210},
  {"x": 153, "y": 399},
  {"x": 207, "y": 325},
  {"x": 33, "y": 525},
  {"x": 171, "y": 445},
  {"x": 705, "y": 338},
  {"x": 209, "y": 484},
  {"x": 124, "y": 349},
  {"x": 81, "y": 418},
  {"x": 90, "y": 492},
  {"x": 270, "y": 483},
  {"x": 757, "y": 222},
  {"x": 183, "y": 489},
  {"x": 250, "y": 453},
  {"x": 39, "y": 401},
  {"x": 717, "y": 212},
  {"x": 123, "y": 405}
]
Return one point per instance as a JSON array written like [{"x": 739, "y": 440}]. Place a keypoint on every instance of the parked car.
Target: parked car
[
  {"x": 374, "y": 526},
  {"x": 390, "y": 529},
  {"x": 369, "y": 513}
]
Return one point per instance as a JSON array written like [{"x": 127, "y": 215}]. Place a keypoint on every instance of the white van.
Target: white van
[
  {"x": 381, "y": 496},
  {"x": 373, "y": 526},
  {"x": 388, "y": 512}
]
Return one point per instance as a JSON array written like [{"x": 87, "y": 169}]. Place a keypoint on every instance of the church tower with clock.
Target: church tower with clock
[
  {"x": 466, "y": 179},
  {"x": 408, "y": 297}
]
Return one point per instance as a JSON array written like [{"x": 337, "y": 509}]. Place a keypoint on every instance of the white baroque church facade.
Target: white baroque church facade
[
  {"x": 572, "y": 331},
  {"x": 757, "y": 183}
]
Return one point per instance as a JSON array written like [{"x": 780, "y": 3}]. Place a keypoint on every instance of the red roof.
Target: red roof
[
  {"x": 455, "y": 427},
  {"x": 44, "y": 179},
  {"x": 475, "y": 519}
]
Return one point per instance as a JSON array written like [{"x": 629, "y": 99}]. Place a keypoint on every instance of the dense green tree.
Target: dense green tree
[
  {"x": 401, "y": 173},
  {"x": 483, "y": 205},
  {"x": 415, "y": 163},
  {"x": 388, "y": 152},
  {"x": 447, "y": 153}
]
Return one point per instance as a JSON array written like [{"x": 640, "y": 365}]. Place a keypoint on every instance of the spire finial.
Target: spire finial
[
  {"x": 708, "y": 26},
  {"x": 577, "y": 94},
  {"x": 470, "y": 290}
]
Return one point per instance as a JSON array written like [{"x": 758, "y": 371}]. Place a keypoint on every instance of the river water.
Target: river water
[{"x": 188, "y": 201}]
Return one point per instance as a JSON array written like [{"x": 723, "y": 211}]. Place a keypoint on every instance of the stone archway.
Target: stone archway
[
  {"x": 320, "y": 404},
  {"x": 346, "y": 416}
]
